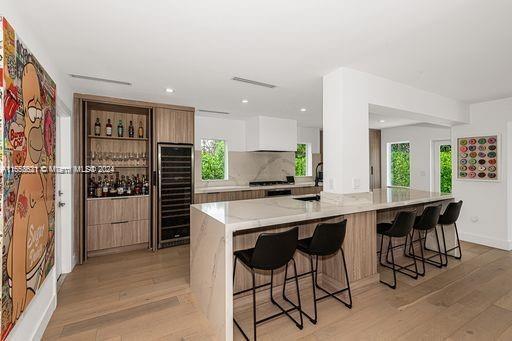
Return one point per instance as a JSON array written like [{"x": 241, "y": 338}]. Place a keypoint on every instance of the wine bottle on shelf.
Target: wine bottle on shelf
[
  {"x": 120, "y": 186},
  {"x": 141, "y": 131},
  {"x": 105, "y": 187},
  {"x": 113, "y": 187},
  {"x": 92, "y": 187},
  {"x": 97, "y": 127},
  {"x": 108, "y": 128},
  {"x": 99, "y": 188},
  {"x": 131, "y": 130},
  {"x": 120, "y": 129}
]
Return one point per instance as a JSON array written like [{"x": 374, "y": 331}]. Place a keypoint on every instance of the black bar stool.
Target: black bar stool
[
  {"x": 425, "y": 223},
  {"x": 326, "y": 241},
  {"x": 399, "y": 228},
  {"x": 271, "y": 252},
  {"x": 449, "y": 217}
]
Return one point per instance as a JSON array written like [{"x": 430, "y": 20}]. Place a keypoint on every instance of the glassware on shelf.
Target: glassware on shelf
[{"x": 143, "y": 156}]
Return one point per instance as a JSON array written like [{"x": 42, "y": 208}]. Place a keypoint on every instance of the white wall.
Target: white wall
[
  {"x": 347, "y": 96},
  {"x": 38, "y": 313},
  {"x": 234, "y": 133},
  {"x": 420, "y": 139},
  {"x": 311, "y": 136},
  {"x": 486, "y": 214}
]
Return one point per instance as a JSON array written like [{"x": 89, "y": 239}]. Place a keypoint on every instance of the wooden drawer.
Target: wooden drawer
[
  {"x": 228, "y": 196},
  {"x": 306, "y": 190},
  {"x": 106, "y": 236},
  {"x": 106, "y": 211}
]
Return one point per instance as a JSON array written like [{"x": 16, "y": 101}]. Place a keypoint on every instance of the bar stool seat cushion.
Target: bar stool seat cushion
[
  {"x": 303, "y": 245},
  {"x": 245, "y": 256},
  {"x": 382, "y": 228}
]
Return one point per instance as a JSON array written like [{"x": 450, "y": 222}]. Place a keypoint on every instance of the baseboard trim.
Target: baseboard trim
[
  {"x": 34, "y": 320},
  {"x": 45, "y": 319},
  {"x": 483, "y": 240}
]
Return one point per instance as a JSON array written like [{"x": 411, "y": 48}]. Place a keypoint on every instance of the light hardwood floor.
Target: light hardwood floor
[{"x": 146, "y": 296}]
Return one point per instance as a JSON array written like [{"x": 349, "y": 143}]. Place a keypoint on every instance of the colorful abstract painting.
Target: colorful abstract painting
[{"x": 28, "y": 119}]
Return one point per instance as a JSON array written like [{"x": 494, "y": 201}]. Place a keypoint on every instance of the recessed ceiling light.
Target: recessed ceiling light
[
  {"x": 382, "y": 121},
  {"x": 169, "y": 90},
  {"x": 303, "y": 109},
  {"x": 245, "y": 101}
]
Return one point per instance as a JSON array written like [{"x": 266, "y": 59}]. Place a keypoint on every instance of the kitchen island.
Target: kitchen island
[{"x": 219, "y": 228}]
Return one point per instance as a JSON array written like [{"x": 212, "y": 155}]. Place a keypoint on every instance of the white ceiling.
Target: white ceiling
[
  {"x": 377, "y": 121},
  {"x": 458, "y": 48}
]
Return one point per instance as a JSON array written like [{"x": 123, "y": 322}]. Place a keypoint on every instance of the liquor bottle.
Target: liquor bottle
[
  {"x": 138, "y": 188},
  {"x": 131, "y": 130},
  {"x": 145, "y": 185},
  {"x": 105, "y": 187},
  {"x": 113, "y": 187},
  {"x": 92, "y": 187},
  {"x": 120, "y": 186},
  {"x": 97, "y": 127},
  {"x": 120, "y": 129},
  {"x": 108, "y": 128},
  {"x": 99, "y": 188},
  {"x": 141, "y": 131},
  {"x": 128, "y": 186}
]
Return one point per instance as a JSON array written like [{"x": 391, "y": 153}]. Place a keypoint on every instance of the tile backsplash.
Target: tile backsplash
[{"x": 244, "y": 167}]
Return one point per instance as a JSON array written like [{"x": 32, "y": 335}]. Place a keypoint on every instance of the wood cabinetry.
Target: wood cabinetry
[
  {"x": 375, "y": 173},
  {"x": 200, "y": 198},
  {"x": 306, "y": 190},
  {"x": 117, "y": 223},
  {"x": 106, "y": 225},
  {"x": 175, "y": 126}
]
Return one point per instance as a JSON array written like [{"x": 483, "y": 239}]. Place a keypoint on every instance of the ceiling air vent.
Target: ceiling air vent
[
  {"x": 213, "y": 112},
  {"x": 96, "y": 79},
  {"x": 249, "y": 81}
]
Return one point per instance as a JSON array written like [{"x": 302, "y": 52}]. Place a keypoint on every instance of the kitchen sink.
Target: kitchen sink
[{"x": 309, "y": 198}]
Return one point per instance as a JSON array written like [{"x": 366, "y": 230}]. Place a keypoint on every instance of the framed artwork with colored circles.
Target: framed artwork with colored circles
[{"x": 478, "y": 158}]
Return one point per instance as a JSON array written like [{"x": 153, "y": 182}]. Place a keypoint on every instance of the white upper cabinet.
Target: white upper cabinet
[{"x": 271, "y": 134}]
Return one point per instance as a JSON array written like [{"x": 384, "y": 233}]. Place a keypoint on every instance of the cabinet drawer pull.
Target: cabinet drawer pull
[{"x": 120, "y": 222}]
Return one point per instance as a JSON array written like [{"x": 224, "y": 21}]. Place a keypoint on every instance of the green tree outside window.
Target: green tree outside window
[
  {"x": 400, "y": 165},
  {"x": 213, "y": 159},
  {"x": 445, "y": 159},
  {"x": 301, "y": 160}
]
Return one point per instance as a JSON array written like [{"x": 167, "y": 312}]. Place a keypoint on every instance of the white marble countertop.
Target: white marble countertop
[
  {"x": 247, "y": 214},
  {"x": 215, "y": 189}
]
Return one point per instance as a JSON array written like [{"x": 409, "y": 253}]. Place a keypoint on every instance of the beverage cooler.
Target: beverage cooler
[{"x": 175, "y": 193}]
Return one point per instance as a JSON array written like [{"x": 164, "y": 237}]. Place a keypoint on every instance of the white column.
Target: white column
[{"x": 345, "y": 132}]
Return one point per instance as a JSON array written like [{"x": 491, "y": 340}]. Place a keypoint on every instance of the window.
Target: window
[
  {"x": 399, "y": 167},
  {"x": 213, "y": 159},
  {"x": 303, "y": 160},
  {"x": 445, "y": 160}
]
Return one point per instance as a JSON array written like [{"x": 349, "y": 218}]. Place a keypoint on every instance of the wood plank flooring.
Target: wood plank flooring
[{"x": 145, "y": 296}]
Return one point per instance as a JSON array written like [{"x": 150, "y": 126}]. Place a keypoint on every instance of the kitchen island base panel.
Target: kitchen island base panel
[
  {"x": 357, "y": 245},
  {"x": 211, "y": 271}
]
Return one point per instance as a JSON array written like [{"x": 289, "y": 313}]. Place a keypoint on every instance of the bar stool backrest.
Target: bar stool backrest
[
  {"x": 274, "y": 250},
  {"x": 451, "y": 214},
  {"x": 429, "y": 218},
  {"x": 402, "y": 225},
  {"x": 328, "y": 238}
]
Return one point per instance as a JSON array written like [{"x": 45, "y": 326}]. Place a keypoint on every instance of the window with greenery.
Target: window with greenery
[
  {"x": 445, "y": 159},
  {"x": 302, "y": 160},
  {"x": 400, "y": 166},
  {"x": 213, "y": 159}
]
